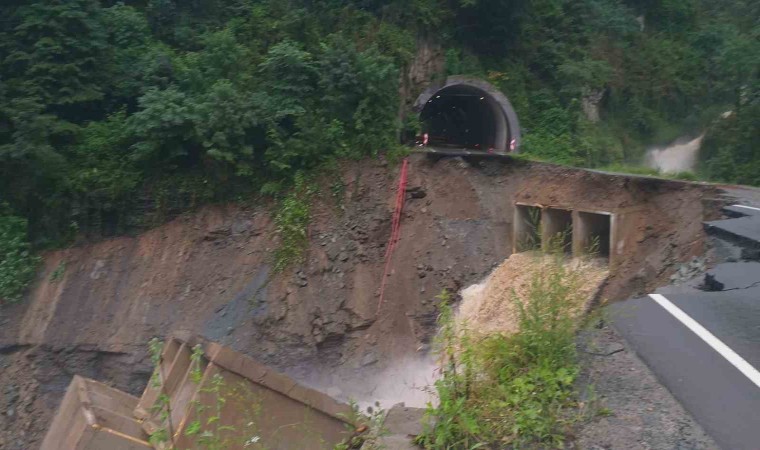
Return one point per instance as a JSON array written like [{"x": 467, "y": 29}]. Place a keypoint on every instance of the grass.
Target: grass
[
  {"x": 648, "y": 171},
  {"x": 630, "y": 169},
  {"x": 501, "y": 391},
  {"x": 57, "y": 274},
  {"x": 292, "y": 222}
]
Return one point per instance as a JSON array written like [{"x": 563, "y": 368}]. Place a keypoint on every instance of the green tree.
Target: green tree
[{"x": 57, "y": 52}]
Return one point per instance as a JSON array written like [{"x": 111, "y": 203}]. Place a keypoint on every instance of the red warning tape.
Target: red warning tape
[{"x": 395, "y": 229}]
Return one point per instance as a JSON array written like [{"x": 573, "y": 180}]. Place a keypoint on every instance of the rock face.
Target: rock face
[
  {"x": 209, "y": 273},
  {"x": 590, "y": 104},
  {"x": 428, "y": 63}
]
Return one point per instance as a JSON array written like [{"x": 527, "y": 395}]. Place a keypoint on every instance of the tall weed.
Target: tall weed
[{"x": 499, "y": 390}]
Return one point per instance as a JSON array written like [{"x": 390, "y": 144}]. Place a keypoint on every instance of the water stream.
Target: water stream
[{"x": 680, "y": 156}]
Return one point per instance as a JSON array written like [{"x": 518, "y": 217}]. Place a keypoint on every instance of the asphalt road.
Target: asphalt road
[{"x": 708, "y": 353}]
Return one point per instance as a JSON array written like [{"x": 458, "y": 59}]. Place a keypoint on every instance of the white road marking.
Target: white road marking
[
  {"x": 717, "y": 345},
  {"x": 748, "y": 207}
]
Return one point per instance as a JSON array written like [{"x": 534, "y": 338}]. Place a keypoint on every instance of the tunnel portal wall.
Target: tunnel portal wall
[{"x": 508, "y": 127}]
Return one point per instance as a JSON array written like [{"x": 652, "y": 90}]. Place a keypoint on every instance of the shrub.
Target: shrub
[
  {"x": 17, "y": 264},
  {"x": 497, "y": 390},
  {"x": 292, "y": 221}
]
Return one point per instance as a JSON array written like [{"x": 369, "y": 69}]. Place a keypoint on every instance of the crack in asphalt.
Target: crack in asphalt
[{"x": 756, "y": 283}]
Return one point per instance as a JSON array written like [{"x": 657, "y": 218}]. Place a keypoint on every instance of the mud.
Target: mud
[
  {"x": 491, "y": 306},
  {"x": 209, "y": 273}
]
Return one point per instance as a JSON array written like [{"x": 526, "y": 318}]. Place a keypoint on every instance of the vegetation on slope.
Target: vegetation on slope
[
  {"x": 499, "y": 390},
  {"x": 115, "y": 115},
  {"x": 17, "y": 265}
]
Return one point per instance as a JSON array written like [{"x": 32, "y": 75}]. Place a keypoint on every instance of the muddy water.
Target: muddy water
[{"x": 680, "y": 156}]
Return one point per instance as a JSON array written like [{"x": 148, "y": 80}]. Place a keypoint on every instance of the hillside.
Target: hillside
[
  {"x": 229, "y": 168},
  {"x": 117, "y": 115}
]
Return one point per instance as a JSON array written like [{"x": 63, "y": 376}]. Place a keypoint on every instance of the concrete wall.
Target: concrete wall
[
  {"x": 251, "y": 401},
  {"x": 526, "y": 233},
  {"x": 592, "y": 233},
  {"x": 508, "y": 126},
  {"x": 93, "y": 416},
  {"x": 556, "y": 229}
]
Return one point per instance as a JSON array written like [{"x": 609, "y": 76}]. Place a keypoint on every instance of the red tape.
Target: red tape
[{"x": 395, "y": 229}]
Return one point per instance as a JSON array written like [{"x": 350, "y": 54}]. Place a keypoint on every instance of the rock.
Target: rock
[
  {"x": 590, "y": 103},
  {"x": 369, "y": 359},
  {"x": 343, "y": 256},
  {"x": 751, "y": 254},
  {"x": 710, "y": 284},
  {"x": 332, "y": 252},
  {"x": 416, "y": 192},
  {"x": 217, "y": 233},
  {"x": 11, "y": 394},
  {"x": 241, "y": 226},
  {"x": 98, "y": 271}
]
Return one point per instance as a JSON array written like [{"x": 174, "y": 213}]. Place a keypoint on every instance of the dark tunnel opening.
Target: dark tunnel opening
[{"x": 465, "y": 117}]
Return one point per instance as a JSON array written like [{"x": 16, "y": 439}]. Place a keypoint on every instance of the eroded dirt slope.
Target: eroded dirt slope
[{"x": 209, "y": 272}]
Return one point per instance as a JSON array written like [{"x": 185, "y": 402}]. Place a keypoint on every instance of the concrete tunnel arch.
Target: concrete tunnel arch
[{"x": 469, "y": 112}]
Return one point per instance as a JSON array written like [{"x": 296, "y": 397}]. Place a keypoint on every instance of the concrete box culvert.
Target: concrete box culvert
[
  {"x": 578, "y": 233},
  {"x": 526, "y": 233},
  {"x": 592, "y": 233},
  {"x": 557, "y": 229}
]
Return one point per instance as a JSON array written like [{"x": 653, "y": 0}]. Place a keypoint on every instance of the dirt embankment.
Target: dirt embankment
[
  {"x": 209, "y": 272},
  {"x": 491, "y": 306}
]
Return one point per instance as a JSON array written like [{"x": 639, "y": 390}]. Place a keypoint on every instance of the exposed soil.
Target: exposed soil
[
  {"x": 208, "y": 272},
  {"x": 491, "y": 306}
]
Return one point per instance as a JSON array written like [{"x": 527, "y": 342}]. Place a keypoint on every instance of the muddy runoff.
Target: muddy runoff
[{"x": 209, "y": 273}]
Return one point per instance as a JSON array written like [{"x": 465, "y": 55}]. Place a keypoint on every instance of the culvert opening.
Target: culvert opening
[
  {"x": 593, "y": 233},
  {"x": 527, "y": 228},
  {"x": 557, "y": 226}
]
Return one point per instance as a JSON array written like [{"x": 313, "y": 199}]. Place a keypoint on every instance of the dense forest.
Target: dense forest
[{"x": 115, "y": 115}]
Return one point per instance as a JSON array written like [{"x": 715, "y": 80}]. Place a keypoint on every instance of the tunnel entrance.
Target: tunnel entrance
[
  {"x": 467, "y": 113},
  {"x": 461, "y": 116}
]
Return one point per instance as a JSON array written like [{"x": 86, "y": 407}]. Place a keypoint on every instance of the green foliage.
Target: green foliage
[
  {"x": 497, "y": 390},
  {"x": 113, "y": 117},
  {"x": 17, "y": 264},
  {"x": 730, "y": 150},
  {"x": 292, "y": 222},
  {"x": 366, "y": 430},
  {"x": 57, "y": 49},
  {"x": 59, "y": 272}
]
